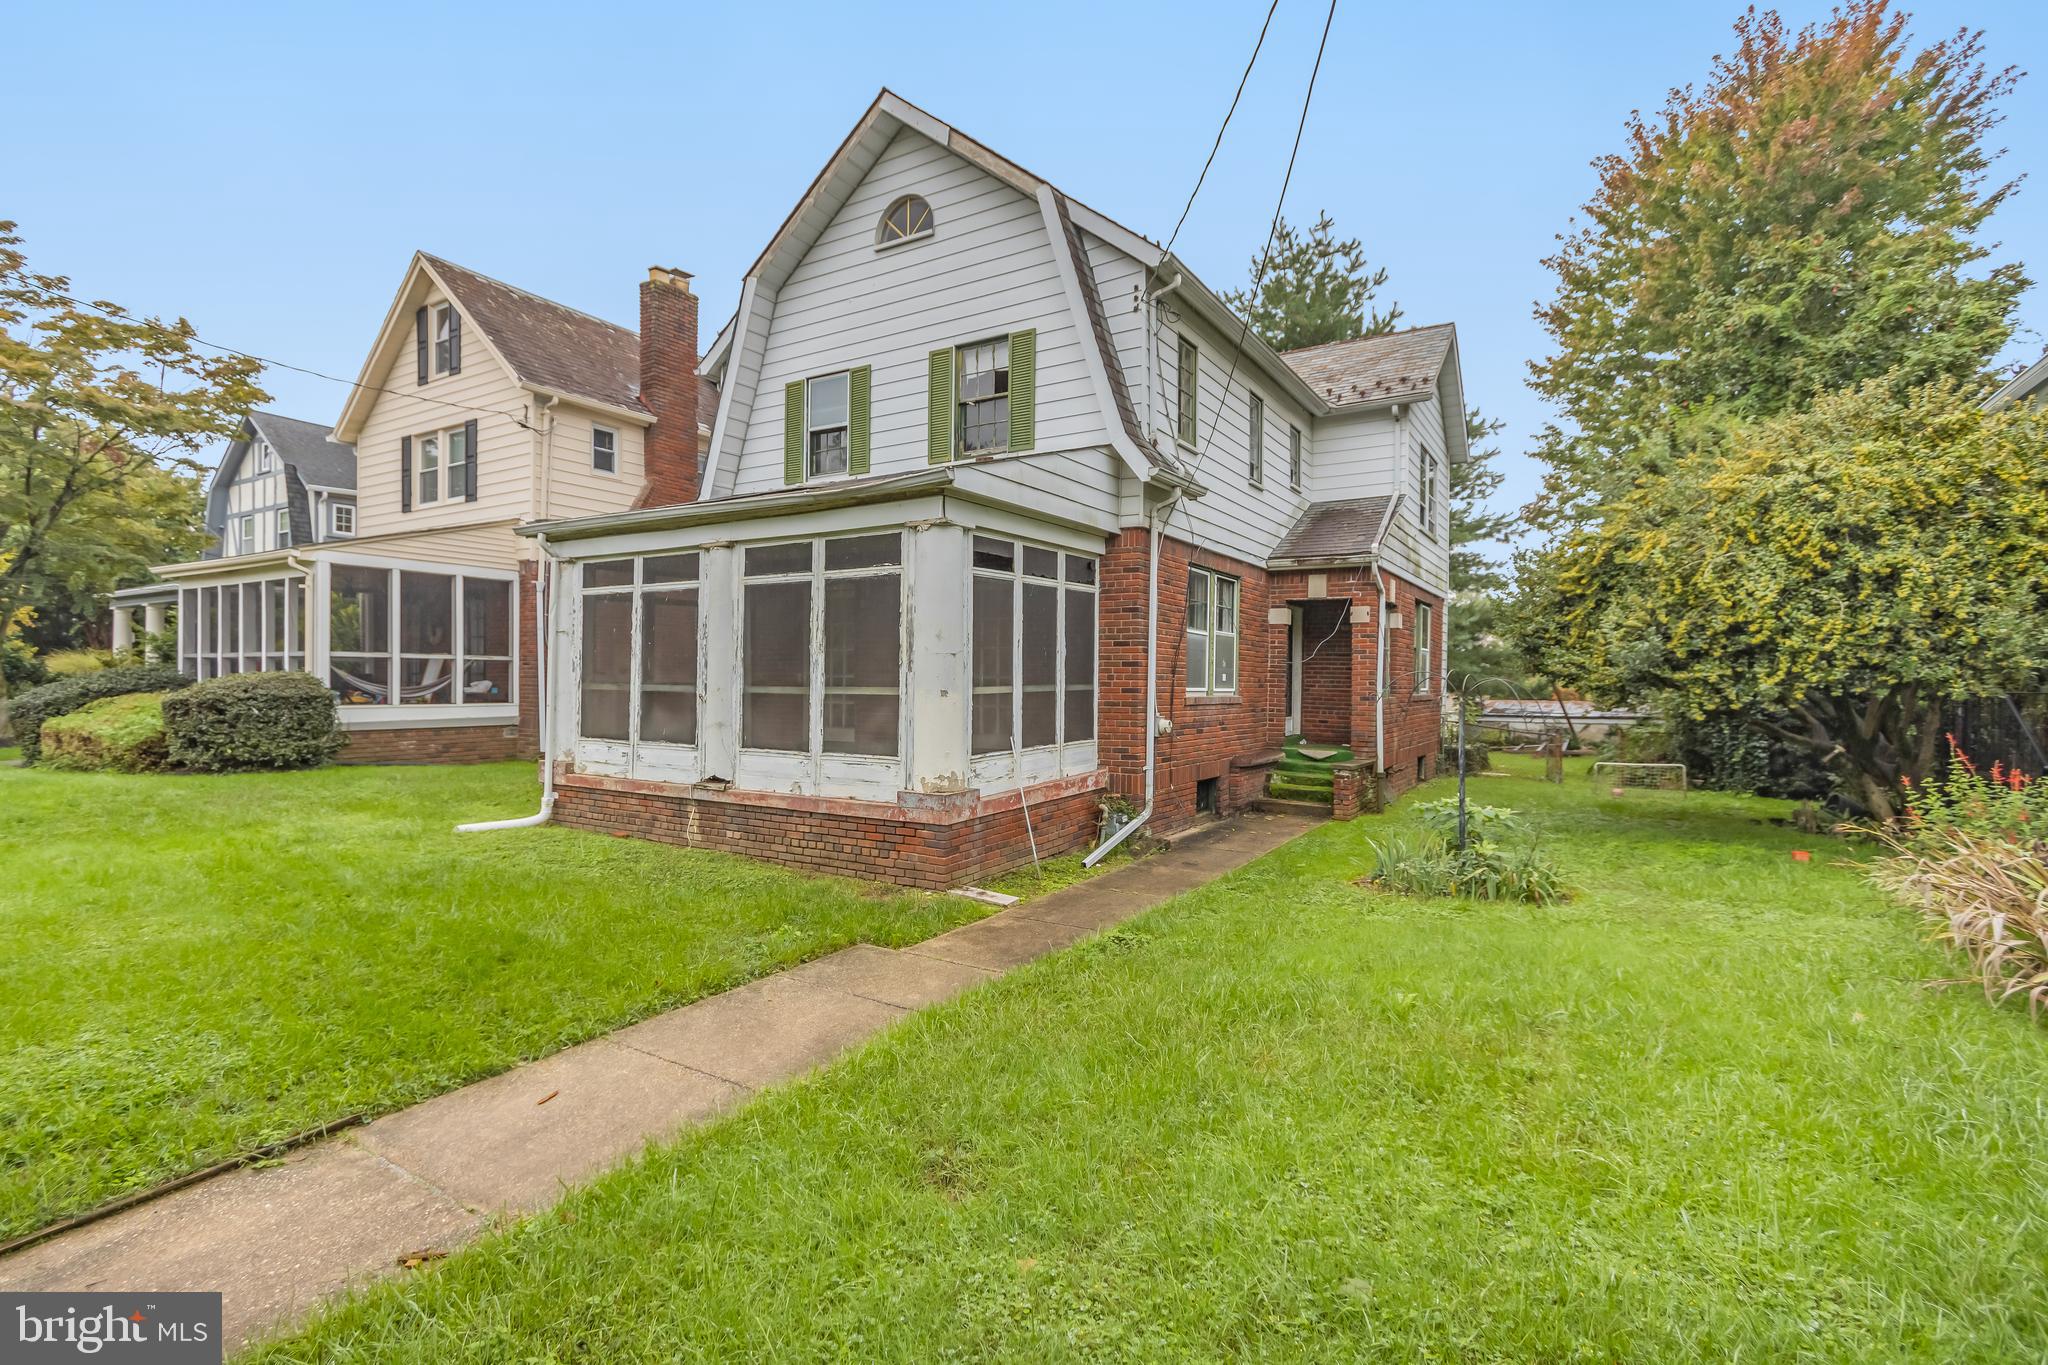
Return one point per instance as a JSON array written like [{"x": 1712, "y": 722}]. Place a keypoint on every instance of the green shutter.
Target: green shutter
[
  {"x": 793, "y": 432},
  {"x": 939, "y": 407},
  {"x": 857, "y": 384},
  {"x": 1023, "y": 389}
]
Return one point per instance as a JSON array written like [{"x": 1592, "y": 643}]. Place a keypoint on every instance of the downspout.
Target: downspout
[
  {"x": 1153, "y": 527},
  {"x": 1379, "y": 686},
  {"x": 544, "y": 622}
]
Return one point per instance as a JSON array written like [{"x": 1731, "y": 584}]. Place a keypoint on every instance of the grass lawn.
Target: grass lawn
[
  {"x": 1705, "y": 1111},
  {"x": 195, "y": 966}
]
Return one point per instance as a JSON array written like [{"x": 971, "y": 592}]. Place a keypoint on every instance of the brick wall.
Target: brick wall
[
  {"x": 926, "y": 841},
  {"x": 1228, "y": 739},
  {"x": 468, "y": 743},
  {"x": 1326, "y": 673},
  {"x": 1414, "y": 718}
]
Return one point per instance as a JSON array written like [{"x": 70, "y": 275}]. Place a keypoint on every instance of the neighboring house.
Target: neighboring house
[
  {"x": 983, "y": 463},
  {"x": 481, "y": 407},
  {"x": 2030, "y": 384}
]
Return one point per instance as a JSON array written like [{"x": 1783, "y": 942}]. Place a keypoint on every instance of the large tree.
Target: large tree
[
  {"x": 1314, "y": 289},
  {"x": 1807, "y": 219},
  {"x": 1479, "y": 579},
  {"x": 102, "y": 417},
  {"x": 1833, "y": 576}
]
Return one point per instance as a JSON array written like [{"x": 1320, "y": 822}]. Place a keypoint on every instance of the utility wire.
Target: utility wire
[
  {"x": 1218, "y": 143},
  {"x": 1266, "y": 256},
  {"x": 122, "y": 315}
]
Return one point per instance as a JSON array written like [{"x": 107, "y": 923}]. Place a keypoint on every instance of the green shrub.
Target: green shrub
[
  {"x": 1430, "y": 866},
  {"x": 252, "y": 720},
  {"x": 1440, "y": 817},
  {"x": 27, "y": 713},
  {"x": 20, "y": 666},
  {"x": 117, "y": 734},
  {"x": 70, "y": 663}
]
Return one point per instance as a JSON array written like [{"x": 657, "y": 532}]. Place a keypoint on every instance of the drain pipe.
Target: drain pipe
[
  {"x": 1379, "y": 684},
  {"x": 1152, "y": 526},
  {"x": 544, "y": 621}
]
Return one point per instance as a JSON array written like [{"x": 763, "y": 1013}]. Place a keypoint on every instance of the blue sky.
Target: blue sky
[{"x": 267, "y": 170}]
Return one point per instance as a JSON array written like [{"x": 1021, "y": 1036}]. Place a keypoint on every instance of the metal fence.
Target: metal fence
[{"x": 2012, "y": 730}]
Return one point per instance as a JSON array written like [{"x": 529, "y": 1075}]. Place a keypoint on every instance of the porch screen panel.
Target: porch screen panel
[
  {"x": 1041, "y": 664},
  {"x": 252, "y": 627},
  {"x": 295, "y": 623},
  {"x": 668, "y": 666},
  {"x": 607, "y": 666},
  {"x": 863, "y": 663},
  {"x": 359, "y": 634},
  {"x": 230, "y": 629},
  {"x": 486, "y": 640},
  {"x": 426, "y": 638},
  {"x": 274, "y": 594},
  {"x": 188, "y": 632},
  {"x": 1080, "y": 671},
  {"x": 994, "y": 664},
  {"x": 776, "y": 664}
]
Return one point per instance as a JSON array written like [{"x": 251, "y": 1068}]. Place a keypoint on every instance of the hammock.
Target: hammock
[{"x": 434, "y": 682}]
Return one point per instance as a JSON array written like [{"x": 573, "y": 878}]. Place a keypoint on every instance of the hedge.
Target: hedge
[
  {"x": 27, "y": 713},
  {"x": 252, "y": 720},
  {"x": 113, "y": 734}
]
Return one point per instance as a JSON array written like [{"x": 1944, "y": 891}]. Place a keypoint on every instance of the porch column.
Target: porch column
[
  {"x": 940, "y": 693},
  {"x": 718, "y": 599},
  {"x": 124, "y": 629},
  {"x": 153, "y": 625}
]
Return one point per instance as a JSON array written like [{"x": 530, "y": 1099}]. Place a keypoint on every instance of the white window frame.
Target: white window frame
[
  {"x": 319, "y": 640},
  {"x": 1061, "y": 584},
  {"x": 196, "y": 603},
  {"x": 1426, "y": 489},
  {"x": 610, "y": 450},
  {"x": 812, "y": 474},
  {"x": 638, "y": 587},
  {"x": 960, "y": 447},
  {"x": 817, "y": 576},
  {"x": 1294, "y": 457},
  {"x": 1256, "y": 439},
  {"x": 1210, "y": 633},
  {"x": 336, "y": 512},
  {"x": 1187, "y": 390},
  {"x": 245, "y": 533},
  {"x": 1425, "y": 654},
  {"x": 284, "y": 526},
  {"x": 442, "y": 444}
]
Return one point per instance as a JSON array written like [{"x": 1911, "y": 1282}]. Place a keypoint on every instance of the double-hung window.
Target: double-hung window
[
  {"x": 284, "y": 526},
  {"x": 640, "y": 649},
  {"x": 441, "y": 467},
  {"x": 845, "y": 695},
  {"x": 604, "y": 450},
  {"x": 1294, "y": 457},
  {"x": 825, "y": 425},
  {"x": 1212, "y": 632},
  {"x": 1033, "y": 652},
  {"x": 245, "y": 533},
  {"x": 445, "y": 354},
  {"x": 1186, "y": 379},
  {"x": 1425, "y": 491},
  {"x": 981, "y": 388},
  {"x": 1425, "y": 623},
  {"x": 1258, "y": 441}
]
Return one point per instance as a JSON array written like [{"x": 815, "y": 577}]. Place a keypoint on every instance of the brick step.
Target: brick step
[{"x": 1280, "y": 788}]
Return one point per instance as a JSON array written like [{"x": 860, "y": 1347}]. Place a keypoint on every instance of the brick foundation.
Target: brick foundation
[{"x": 934, "y": 842}]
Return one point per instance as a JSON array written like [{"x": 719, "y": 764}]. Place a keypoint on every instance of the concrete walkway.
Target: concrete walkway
[{"x": 278, "y": 1239}]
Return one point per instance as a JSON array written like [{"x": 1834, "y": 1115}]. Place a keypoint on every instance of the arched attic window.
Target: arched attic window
[{"x": 908, "y": 220}]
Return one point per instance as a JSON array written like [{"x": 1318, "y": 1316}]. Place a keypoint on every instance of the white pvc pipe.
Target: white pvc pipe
[
  {"x": 544, "y": 622},
  {"x": 1102, "y": 850}
]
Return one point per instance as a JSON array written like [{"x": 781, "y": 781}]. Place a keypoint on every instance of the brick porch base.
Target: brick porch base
[{"x": 920, "y": 840}]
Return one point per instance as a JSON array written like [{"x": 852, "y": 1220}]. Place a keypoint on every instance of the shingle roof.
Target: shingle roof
[
  {"x": 1377, "y": 369},
  {"x": 547, "y": 344},
  {"x": 304, "y": 446},
  {"x": 1337, "y": 531}
]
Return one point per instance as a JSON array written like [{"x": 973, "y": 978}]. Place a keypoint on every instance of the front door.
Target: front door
[{"x": 1294, "y": 670}]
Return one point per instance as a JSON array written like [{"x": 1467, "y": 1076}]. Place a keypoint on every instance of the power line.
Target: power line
[
  {"x": 1266, "y": 256},
  {"x": 122, "y": 315},
  {"x": 1228, "y": 113}
]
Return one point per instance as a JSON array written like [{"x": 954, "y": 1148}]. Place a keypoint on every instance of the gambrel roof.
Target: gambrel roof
[{"x": 2024, "y": 385}]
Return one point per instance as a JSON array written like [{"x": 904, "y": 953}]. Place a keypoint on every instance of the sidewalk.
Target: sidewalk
[{"x": 278, "y": 1239}]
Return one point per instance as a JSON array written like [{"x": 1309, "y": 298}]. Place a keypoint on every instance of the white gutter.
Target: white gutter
[
  {"x": 1154, "y": 527},
  {"x": 1379, "y": 687},
  {"x": 544, "y": 622},
  {"x": 1151, "y": 306}
]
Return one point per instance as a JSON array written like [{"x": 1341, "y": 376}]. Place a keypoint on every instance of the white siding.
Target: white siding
[
  {"x": 575, "y": 488},
  {"x": 987, "y": 270},
  {"x": 257, "y": 495}
]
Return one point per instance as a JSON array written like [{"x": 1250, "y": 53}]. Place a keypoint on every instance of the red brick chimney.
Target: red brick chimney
[{"x": 668, "y": 386}]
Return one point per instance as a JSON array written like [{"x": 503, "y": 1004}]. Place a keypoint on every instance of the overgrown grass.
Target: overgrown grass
[
  {"x": 1705, "y": 1111},
  {"x": 198, "y": 965}
]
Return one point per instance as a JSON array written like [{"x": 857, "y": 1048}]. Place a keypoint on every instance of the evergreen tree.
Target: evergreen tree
[{"x": 1315, "y": 289}]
